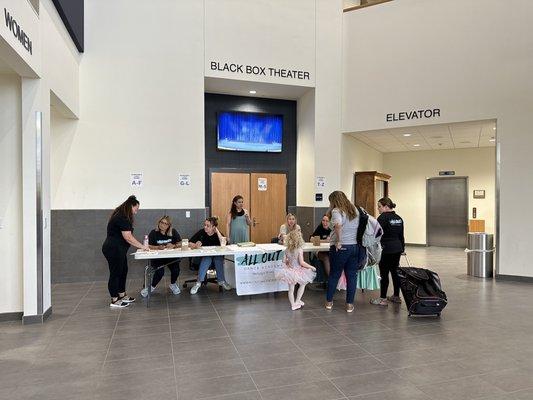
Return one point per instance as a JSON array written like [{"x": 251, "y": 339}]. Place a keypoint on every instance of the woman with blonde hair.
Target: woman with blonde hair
[
  {"x": 164, "y": 237},
  {"x": 345, "y": 253},
  {"x": 289, "y": 226},
  {"x": 295, "y": 270}
]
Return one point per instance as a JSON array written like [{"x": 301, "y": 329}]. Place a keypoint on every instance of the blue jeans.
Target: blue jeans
[
  {"x": 206, "y": 263},
  {"x": 349, "y": 258}
]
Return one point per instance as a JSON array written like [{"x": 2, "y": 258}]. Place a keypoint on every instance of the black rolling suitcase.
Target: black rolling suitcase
[{"x": 421, "y": 290}]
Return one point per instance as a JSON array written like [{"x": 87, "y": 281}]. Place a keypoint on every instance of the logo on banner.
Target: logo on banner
[{"x": 254, "y": 272}]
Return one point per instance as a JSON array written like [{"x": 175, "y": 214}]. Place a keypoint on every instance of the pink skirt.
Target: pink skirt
[{"x": 294, "y": 275}]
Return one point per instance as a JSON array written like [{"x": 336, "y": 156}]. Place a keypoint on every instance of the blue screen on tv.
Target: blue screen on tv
[{"x": 242, "y": 131}]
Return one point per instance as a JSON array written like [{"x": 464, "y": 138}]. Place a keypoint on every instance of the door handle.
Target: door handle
[{"x": 254, "y": 221}]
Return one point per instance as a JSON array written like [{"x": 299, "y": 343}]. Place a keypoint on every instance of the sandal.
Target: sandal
[
  {"x": 329, "y": 305},
  {"x": 349, "y": 307},
  {"x": 395, "y": 299},
  {"x": 379, "y": 302}
]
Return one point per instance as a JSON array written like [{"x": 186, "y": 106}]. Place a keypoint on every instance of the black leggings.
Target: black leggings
[
  {"x": 389, "y": 263},
  {"x": 174, "y": 273},
  {"x": 117, "y": 258}
]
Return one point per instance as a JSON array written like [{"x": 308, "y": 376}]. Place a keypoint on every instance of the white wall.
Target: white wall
[
  {"x": 11, "y": 199},
  {"x": 267, "y": 33},
  {"x": 328, "y": 94},
  {"x": 305, "y": 157},
  {"x": 470, "y": 59},
  {"x": 357, "y": 156},
  {"x": 141, "y": 107},
  {"x": 410, "y": 170}
]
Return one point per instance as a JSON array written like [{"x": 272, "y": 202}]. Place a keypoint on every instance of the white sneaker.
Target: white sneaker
[
  {"x": 174, "y": 288},
  {"x": 144, "y": 291},
  {"x": 119, "y": 304},
  {"x": 225, "y": 285},
  {"x": 195, "y": 288}
]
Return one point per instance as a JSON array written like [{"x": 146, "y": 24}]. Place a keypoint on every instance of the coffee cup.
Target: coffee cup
[
  {"x": 223, "y": 241},
  {"x": 184, "y": 244},
  {"x": 315, "y": 240}
]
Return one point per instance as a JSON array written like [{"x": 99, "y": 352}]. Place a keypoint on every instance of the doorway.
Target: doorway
[
  {"x": 447, "y": 211},
  {"x": 265, "y": 197}
]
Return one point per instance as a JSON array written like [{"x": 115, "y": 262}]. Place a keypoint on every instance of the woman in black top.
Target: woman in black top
[
  {"x": 209, "y": 236},
  {"x": 324, "y": 232},
  {"x": 393, "y": 244},
  {"x": 115, "y": 249},
  {"x": 160, "y": 238}
]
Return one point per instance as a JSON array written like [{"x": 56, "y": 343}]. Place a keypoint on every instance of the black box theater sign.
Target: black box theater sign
[
  {"x": 414, "y": 114},
  {"x": 18, "y": 32},
  {"x": 258, "y": 70}
]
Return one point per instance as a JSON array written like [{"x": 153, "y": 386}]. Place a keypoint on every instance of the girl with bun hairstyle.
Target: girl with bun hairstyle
[
  {"x": 393, "y": 243},
  {"x": 115, "y": 249}
]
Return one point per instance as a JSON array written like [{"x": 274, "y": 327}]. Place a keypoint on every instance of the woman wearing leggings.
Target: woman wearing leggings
[
  {"x": 115, "y": 249},
  {"x": 393, "y": 244}
]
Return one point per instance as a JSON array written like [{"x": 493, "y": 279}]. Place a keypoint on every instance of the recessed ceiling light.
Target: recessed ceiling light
[
  {"x": 465, "y": 142},
  {"x": 436, "y": 137},
  {"x": 407, "y": 134},
  {"x": 494, "y": 128},
  {"x": 253, "y": 92},
  {"x": 492, "y": 140},
  {"x": 416, "y": 145}
]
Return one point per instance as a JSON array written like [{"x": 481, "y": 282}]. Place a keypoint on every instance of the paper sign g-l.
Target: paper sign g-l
[{"x": 184, "y": 180}]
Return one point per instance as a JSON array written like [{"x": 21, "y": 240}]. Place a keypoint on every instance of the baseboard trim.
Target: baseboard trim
[
  {"x": 514, "y": 278},
  {"x": 416, "y": 244},
  {"x": 10, "y": 316},
  {"x": 37, "y": 319}
]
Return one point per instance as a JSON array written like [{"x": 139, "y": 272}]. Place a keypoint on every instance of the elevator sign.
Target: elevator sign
[{"x": 262, "y": 184}]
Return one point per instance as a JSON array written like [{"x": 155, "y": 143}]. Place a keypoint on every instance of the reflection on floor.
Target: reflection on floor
[{"x": 220, "y": 346}]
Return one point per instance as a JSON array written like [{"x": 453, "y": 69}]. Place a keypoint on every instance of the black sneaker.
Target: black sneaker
[
  {"x": 127, "y": 299},
  {"x": 119, "y": 304}
]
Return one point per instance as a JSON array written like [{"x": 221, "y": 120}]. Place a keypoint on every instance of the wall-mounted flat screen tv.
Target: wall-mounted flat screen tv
[{"x": 246, "y": 131}]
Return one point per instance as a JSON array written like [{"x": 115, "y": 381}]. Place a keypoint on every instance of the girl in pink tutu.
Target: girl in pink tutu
[{"x": 295, "y": 270}]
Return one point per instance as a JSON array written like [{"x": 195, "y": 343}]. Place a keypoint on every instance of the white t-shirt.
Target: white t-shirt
[{"x": 349, "y": 228}]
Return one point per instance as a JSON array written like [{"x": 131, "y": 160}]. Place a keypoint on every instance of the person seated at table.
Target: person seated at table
[
  {"x": 289, "y": 226},
  {"x": 209, "y": 236},
  {"x": 160, "y": 238},
  {"x": 324, "y": 232}
]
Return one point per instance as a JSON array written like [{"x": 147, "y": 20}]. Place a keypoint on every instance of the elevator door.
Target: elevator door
[{"x": 447, "y": 212}]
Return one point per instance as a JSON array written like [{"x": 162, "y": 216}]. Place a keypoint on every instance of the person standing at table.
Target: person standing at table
[
  {"x": 289, "y": 226},
  {"x": 324, "y": 232},
  {"x": 239, "y": 222},
  {"x": 393, "y": 244},
  {"x": 160, "y": 238},
  {"x": 115, "y": 249},
  {"x": 345, "y": 253},
  {"x": 209, "y": 236}
]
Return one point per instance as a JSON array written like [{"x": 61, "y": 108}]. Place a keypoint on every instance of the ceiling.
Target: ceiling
[
  {"x": 5, "y": 69},
  {"x": 431, "y": 137},
  {"x": 263, "y": 89}
]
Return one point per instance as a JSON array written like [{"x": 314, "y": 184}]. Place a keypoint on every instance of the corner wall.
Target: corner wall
[
  {"x": 11, "y": 199},
  {"x": 479, "y": 69}
]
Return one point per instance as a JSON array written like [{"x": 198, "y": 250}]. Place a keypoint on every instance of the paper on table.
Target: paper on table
[{"x": 271, "y": 247}]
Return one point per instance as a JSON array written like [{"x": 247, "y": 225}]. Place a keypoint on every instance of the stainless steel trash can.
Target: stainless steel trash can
[{"x": 480, "y": 255}]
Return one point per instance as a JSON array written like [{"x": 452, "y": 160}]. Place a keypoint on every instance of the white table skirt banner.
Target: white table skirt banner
[{"x": 254, "y": 272}]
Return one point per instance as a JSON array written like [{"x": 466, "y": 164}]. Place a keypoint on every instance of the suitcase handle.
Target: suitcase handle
[{"x": 407, "y": 259}]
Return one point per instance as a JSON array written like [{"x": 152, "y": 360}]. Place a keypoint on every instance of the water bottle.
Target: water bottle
[{"x": 145, "y": 241}]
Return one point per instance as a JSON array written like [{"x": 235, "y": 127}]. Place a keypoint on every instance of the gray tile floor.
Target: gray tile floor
[{"x": 220, "y": 346}]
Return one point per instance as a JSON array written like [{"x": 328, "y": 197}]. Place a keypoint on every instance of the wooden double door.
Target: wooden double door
[{"x": 265, "y": 198}]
